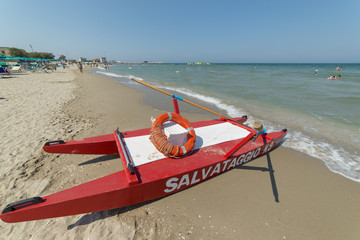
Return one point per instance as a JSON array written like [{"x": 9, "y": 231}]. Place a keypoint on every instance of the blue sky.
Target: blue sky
[{"x": 187, "y": 31}]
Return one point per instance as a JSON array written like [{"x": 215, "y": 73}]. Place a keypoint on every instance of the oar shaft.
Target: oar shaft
[
  {"x": 194, "y": 104},
  {"x": 148, "y": 85},
  {"x": 184, "y": 100}
]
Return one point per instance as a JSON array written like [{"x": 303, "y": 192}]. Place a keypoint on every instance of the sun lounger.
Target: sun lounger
[
  {"x": 15, "y": 68},
  {"x": 4, "y": 72}
]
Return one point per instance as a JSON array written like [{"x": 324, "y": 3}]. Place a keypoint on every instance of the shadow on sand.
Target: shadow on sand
[
  {"x": 269, "y": 169},
  {"x": 96, "y": 216},
  {"x": 100, "y": 159},
  {"x": 271, "y": 173}
]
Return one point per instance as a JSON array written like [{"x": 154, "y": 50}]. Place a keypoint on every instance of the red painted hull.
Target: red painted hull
[{"x": 150, "y": 181}]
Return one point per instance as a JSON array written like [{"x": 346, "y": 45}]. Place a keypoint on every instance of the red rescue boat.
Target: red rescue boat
[{"x": 147, "y": 174}]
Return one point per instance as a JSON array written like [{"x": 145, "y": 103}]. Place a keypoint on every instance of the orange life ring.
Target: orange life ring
[{"x": 159, "y": 139}]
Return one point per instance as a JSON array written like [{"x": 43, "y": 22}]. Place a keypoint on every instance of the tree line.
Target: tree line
[{"x": 17, "y": 52}]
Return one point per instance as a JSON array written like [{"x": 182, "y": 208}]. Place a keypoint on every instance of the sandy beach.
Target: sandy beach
[{"x": 299, "y": 199}]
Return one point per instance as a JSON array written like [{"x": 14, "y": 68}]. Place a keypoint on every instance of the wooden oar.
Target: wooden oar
[{"x": 191, "y": 103}]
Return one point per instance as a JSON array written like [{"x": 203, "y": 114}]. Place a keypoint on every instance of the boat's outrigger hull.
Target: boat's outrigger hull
[{"x": 144, "y": 182}]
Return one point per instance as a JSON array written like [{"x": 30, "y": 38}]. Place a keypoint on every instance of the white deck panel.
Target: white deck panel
[{"x": 143, "y": 151}]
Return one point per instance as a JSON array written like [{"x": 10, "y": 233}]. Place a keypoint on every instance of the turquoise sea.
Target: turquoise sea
[{"x": 322, "y": 115}]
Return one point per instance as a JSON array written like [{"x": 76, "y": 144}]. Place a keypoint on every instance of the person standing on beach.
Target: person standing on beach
[{"x": 80, "y": 67}]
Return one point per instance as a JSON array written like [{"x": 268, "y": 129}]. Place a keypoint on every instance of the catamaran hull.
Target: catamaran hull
[{"x": 154, "y": 180}]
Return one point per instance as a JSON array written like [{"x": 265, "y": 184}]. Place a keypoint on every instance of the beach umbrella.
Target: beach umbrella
[
  {"x": 21, "y": 58},
  {"x": 6, "y": 58}
]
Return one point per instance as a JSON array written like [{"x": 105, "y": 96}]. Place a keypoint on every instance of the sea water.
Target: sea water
[{"x": 322, "y": 115}]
